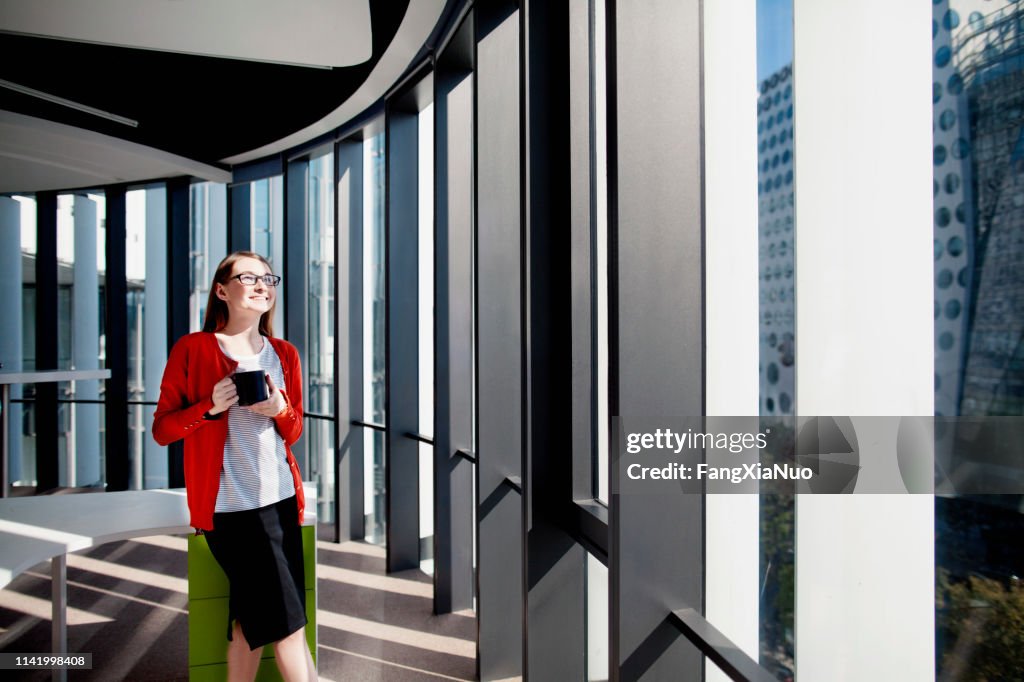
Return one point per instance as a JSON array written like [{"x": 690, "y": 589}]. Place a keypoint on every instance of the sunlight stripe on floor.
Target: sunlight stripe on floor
[
  {"x": 137, "y": 575},
  {"x": 119, "y": 595},
  {"x": 390, "y": 663},
  {"x": 375, "y": 582},
  {"x": 445, "y": 644},
  {"x": 352, "y": 547},
  {"x": 42, "y": 609}
]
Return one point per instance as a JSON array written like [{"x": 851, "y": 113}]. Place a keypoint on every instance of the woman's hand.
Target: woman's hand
[
  {"x": 274, "y": 404},
  {"x": 224, "y": 395}
]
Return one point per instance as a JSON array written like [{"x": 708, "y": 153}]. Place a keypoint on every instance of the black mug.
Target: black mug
[{"x": 251, "y": 386}]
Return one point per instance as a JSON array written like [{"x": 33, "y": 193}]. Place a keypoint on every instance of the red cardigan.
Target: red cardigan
[{"x": 195, "y": 364}]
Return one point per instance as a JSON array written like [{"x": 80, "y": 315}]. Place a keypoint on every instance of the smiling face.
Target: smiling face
[{"x": 247, "y": 300}]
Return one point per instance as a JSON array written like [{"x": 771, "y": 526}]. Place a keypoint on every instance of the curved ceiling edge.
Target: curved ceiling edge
[
  {"x": 38, "y": 155},
  {"x": 336, "y": 32},
  {"x": 420, "y": 20}
]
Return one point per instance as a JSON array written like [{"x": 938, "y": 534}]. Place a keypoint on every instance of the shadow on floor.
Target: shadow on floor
[{"x": 128, "y": 606}]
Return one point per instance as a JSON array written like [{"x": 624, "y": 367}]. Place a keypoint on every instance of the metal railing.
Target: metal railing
[
  {"x": 369, "y": 425},
  {"x": 732, "y": 660}
]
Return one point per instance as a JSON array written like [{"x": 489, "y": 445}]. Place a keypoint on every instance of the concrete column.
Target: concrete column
[
  {"x": 154, "y": 335},
  {"x": 11, "y": 350},
  {"x": 85, "y": 344}
]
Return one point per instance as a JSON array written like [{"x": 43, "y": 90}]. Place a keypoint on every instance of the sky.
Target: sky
[{"x": 774, "y": 36}]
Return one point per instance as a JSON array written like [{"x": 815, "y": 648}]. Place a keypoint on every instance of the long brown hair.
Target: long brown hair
[{"x": 217, "y": 310}]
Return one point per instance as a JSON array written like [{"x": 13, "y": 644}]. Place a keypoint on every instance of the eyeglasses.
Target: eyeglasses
[{"x": 249, "y": 279}]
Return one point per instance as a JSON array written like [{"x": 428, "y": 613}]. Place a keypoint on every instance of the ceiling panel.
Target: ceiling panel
[
  {"x": 324, "y": 33},
  {"x": 42, "y": 155},
  {"x": 199, "y": 109}
]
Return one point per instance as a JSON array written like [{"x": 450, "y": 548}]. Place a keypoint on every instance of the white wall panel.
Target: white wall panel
[
  {"x": 731, "y": 253},
  {"x": 865, "y": 564}
]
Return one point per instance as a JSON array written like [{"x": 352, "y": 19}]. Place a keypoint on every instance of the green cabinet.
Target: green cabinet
[{"x": 208, "y": 612}]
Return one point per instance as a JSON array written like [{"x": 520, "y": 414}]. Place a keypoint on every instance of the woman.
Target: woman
[{"x": 244, "y": 487}]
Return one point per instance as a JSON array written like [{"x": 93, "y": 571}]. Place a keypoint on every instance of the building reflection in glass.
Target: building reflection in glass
[
  {"x": 320, "y": 333},
  {"x": 776, "y": 181},
  {"x": 374, "y": 309},
  {"x": 978, "y": 157}
]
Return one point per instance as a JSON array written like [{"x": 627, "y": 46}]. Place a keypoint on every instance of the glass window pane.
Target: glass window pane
[
  {"x": 207, "y": 244},
  {"x": 266, "y": 213},
  {"x": 589, "y": 97},
  {"x": 776, "y": 323},
  {"x": 135, "y": 271},
  {"x": 146, "y": 272},
  {"x": 18, "y": 298},
  {"x": 80, "y": 219},
  {"x": 425, "y": 193},
  {"x": 320, "y": 332},
  {"x": 373, "y": 334},
  {"x": 977, "y": 93},
  {"x": 600, "y": 225},
  {"x": 65, "y": 284}
]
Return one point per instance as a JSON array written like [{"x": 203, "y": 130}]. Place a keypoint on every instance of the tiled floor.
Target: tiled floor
[{"x": 129, "y": 608}]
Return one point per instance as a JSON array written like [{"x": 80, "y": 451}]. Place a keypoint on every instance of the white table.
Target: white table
[
  {"x": 34, "y": 529},
  {"x": 36, "y": 377}
]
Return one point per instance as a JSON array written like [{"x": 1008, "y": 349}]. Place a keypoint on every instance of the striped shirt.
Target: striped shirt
[{"x": 255, "y": 472}]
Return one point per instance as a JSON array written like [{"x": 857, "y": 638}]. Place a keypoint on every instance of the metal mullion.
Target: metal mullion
[
  {"x": 583, "y": 257},
  {"x": 46, "y": 351},
  {"x": 453, "y": 481},
  {"x": 657, "y": 317},
  {"x": 240, "y": 217},
  {"x": 401, "y": 339},
  {"x": 729, "y": 657},
  {"x": 337, "y": 347},
  {"x": 556, "y": 563},
  {"x": 501, "y": 530},
  {"x": 296, "y": 246},
  {"x": 177, "y": 297},
  {"x": 370, "y": 425},
  {"x": 116, "y": 334}
]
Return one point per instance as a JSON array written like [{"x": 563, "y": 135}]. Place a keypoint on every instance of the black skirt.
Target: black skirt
[{"x": 260, "y": 551}]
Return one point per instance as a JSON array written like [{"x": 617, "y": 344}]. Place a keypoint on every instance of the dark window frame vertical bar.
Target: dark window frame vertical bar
[
  {"x": 556, "y": 560},
  {"x": 592, "y": 514},
  {"x": 582, "y": 260},
  {"x": 453, "y": 475},
  {"x": 46, "y": 350},
  {"x": 501, "y": 544},
  {"x": 116, "y": 334},
  {"x": 296, "y": 283},
  {"x": 177, "y": 296},
  {"x": 611, "y": 120},
  {"x": 656, "y": 354},
  {"x": 240, "y": 217},
  {"x": 401, "y": 334}
]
